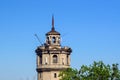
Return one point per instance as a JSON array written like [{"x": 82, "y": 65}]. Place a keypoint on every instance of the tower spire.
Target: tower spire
[{"x": 53, "y": 28}]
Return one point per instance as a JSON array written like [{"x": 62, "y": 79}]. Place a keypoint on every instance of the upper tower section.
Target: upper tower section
[{"x": 53, "y": 37}]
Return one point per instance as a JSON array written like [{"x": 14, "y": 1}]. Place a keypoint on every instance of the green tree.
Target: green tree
[
  {"x": 115, "y": 72},
  {"x": 96, "y": 71},
  {"x": 69, "y": 74}
]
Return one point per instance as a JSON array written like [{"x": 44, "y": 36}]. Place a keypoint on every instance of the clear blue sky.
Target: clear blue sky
[{"x": 90, "y": 27}]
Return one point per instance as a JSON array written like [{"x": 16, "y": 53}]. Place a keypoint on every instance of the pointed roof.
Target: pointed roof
[
  {"x": 53, "y": 32},
  {"x": 53, "y": 28}
]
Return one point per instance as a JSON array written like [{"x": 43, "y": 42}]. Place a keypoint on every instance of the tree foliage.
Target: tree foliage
[
  {"x": 96, "y": 71},
  {"x": 69, "y": 74}
]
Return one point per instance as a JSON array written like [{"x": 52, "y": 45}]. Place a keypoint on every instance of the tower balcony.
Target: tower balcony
[{"x": 43, "y": 67}]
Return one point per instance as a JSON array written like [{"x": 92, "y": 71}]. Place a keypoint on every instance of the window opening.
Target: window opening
[
  {"x": 40, "y": 59},
  {"x": 63, "y": 61},
  {"x": 58, "y": 40},
  {"x": 55, "y": 75},
  {"x": 53, "y": 40},
  {"x": 55, "y": 59},
  {"x": 46, "y": 60},
  {"x": 67, "y": 60},
  {"x": 48, "y": 40}
]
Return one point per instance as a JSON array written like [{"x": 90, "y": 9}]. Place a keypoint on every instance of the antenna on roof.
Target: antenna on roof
[{"x": 38, "y": 39}]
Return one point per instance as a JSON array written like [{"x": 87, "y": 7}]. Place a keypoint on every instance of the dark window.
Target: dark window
[
  {"x": 54, "y": 58},
  {"x": 53, "y": 40},
  {"x": 67, "y": 60},
  {"x": 55, "y": 75},
  {"x": 40, "y": 59},
  {"x": 48, "y": 40},
  {"x": 46, "y": 60},
  {"x": 63, "y": 61}
]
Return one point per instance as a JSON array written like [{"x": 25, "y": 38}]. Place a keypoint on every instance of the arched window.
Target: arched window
[
  {"x": 53, "y": 40},
  {"x": 55, "y": 59}
]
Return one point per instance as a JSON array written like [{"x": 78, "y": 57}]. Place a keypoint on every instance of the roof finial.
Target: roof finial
[{"x": 53, "y": 23}]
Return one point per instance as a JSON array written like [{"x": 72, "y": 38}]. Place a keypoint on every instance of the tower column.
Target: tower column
[{"x": 38, "y": 61}]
